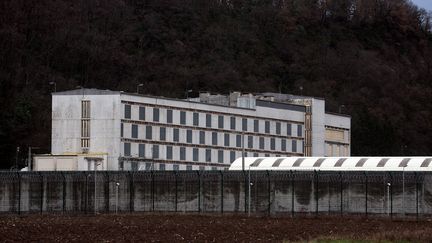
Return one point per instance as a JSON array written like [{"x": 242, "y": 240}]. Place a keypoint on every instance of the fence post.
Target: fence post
[
  {"x": 86, "y": 192},
  {"x": 176, "y": 191},
  {"x": 42, "y": 191},
  {"x": 246, "y": 188},
  {"x": 199, "y": 191},
  {"x": 107, "y": 193},
  {"x": 152, "y": 190},
  {"x": 269, "y": 192},
  {"x": 64, "y": 192},
  {"x": 131, "y": 191},
  {"x": 19, "y": 193},
  {"x": 391, "y": 195},
  {"x": 316, "y": 192},
  {"x": 292, "y": 193},
  {"x": 341, "y": 193},
  {"x": 417, "y": 195},
  {"x": 222, "y": 191},
  {"x": 366, "y": 193}
]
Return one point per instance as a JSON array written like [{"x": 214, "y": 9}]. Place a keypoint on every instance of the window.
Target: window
[
  {"x": 169, "y": 152},
  {"x": 267, "y": 127},
  {"x": 127, "y": 111},
  {"x": 232, "y": 156},
  {"x": 213, "y": 168},
  {"x": 155, "y": 151},
  {"x": 189, "y": 136},
  {"x": 195, "y": 119},
  {"x": 220, "y": 156},
  {"x": 195, "y": 154},
  {"x": 156, "y": 114},
  {"x": 142, "y": 113},
  {"x": 238, "y": 141},
  {"x": 141, "y": 150},
  {"x": 261, "y": 143},
  {"x": 208, "y": 155},
  {"x": 121, "y": 130},
  {"x": 208, "y": 120},
  {"x": 201, "y": 167},
  {"x": 283, "y": 145},
  {"x": 85, "y": 124},
  {"x": 188, "y": 167},
  {"x": 134, "y": 131},
  {"x": 162, "y": 133},
  {"x": 161, "y": 166},
  {"x": 289, "y": 130},
  {"x": 226, "y": 139},
  {"x": 183, "y": 117},
  {"x": 256, "y": 126},
  {"x": 299, "y": 130},
  {"x": 148, "y": 166},
  {"x": 182, "y": 153},
  {"x": 232, "y": 123},
  {"x": 255, "y": 155},
  {"x": 134, "y": 166},
  {"x": 278, "y": 128},
  {"x": 169, "y": 116},
  {"x": 244, "y": 124},
  {"x": 176, "y": 167},
  {"x": 294, "y": 145},
  {"x": 176, "y": 135},
  {"x": 272, "y": 144},
  {"x": 214, "y": 138},
  {"x": 250, "y": 142},
  {"x": 149, "y": 132},
  {"x": 220, "y": 122},
  {"x": 202, "y": 137},
  {"x": 127, "y": 149}
]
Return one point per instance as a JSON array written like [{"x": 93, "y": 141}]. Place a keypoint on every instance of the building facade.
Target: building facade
[{"x": 139, "y": 132}]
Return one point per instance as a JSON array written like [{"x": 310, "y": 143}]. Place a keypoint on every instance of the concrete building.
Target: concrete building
[{"x": 126, "y": 131}]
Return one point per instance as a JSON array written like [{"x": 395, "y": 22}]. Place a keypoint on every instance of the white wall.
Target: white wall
[{"x": 318, "y": 129}]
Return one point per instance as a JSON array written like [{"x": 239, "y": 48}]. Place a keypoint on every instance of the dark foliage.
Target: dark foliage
[{"x": 374, "y": 57}]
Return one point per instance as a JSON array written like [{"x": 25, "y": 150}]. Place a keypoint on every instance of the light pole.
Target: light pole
[
  {"x": 16, "y": 157},
  {"x": 54, "y": 84},
  {"x": 187, "y": 94},
  {"x": 117, "y": 194},
  {"x": 96, "y": 163},
  {"x": 388, "y": 197},
  {"x": 138, "y": 86}
]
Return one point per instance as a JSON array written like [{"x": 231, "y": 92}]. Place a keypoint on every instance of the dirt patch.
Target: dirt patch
[{"x": 204, "y": 228}]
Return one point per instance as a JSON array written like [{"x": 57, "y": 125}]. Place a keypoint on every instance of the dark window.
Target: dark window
[
  {"x": 156, "y": 114},
  {"x": 195, "y": 154},
  {"x": 214, "y": 138},
  {"x": 232, "y": 123},
  {"x": 213, "y": 168},
  {"x": 272, "y": 144},
  {"x": 142, "y": 113},
  {"x": 162, "y": 133},
  {"x": 220, "y": 122},
  {"x": 255, "y": 155},
  {"x": 182, "y": 117},
  {"x": 232, "y": 156},
  {"x": 220, "y": 156},
  {"x": 127, "y": 149},
  {"x": 244, "y": 124},
  {"x": 289, "y": 130},
  {"x": 189, "y": 136},
  {"x": 134, "y": 131},
  {"x": 141, "y": 150},
  {"x": 238, "y": 141},
  {"x": 149, "y": 132},
  {"x": 195, "y": 119},
  {"x": 256, "y": 126},
  {"x": 169, "y": 116},
  {"x": 202, "y": 167},
  {"x": 161, "y": 166},
  {"x": 134, "y": 166},
  {"x": 176, "y": 135},
  {"x": 127, "y": 110},
  {"x": 261, "y": 143},
  {"x": 188, "y": 167},
  {"x": 148, "y": 166},
  {"x": 155, "y": 151},
  {"x": 208, "y": 155},
  {"x": 169, "y": 152},
  {"x": 294, "y": 145},
  {"x": 121, "y": 130},
  {"x": 226, "y": 139},
  {"x": 267, "y": 127},
  {"x": 202, "y": 137},
  {"x": 250, "y": 142},
  {"x": 283, "y": 145},
  {"x": 299, "y": 130},
  {"x": 208, "y": 120},
  {"x": 278, "y": 128},
  {"x": 182, "y": 153},
  {"x": 176, "y": 167},
  {"x": 267, "y": 155}
]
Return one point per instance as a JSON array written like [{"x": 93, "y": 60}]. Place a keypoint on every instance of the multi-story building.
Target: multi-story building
[{"x": 126, "y": 131}]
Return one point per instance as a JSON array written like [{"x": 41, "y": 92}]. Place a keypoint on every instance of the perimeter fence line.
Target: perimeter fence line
[{"x": 392, "y": 194}]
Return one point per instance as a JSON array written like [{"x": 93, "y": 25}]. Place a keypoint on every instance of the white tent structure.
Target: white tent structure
[{"x": 334, "y": 163}]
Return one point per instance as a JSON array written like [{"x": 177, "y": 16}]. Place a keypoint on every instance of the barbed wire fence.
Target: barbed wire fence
[{"x": 392, "y": 194}]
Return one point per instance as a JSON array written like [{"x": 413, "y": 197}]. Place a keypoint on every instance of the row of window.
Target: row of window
[
  {"x": 210, "y": 138},
  {"x": 186, "y": 154},
  {"x": 148, "y": 166},
  {"x": 193, "y": 118}
]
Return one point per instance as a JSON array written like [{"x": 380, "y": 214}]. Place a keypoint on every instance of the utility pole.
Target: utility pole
[{"x": 243, "y": 152}]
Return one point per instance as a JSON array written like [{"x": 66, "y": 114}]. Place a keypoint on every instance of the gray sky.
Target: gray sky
[{"x": 426, "y": 4}]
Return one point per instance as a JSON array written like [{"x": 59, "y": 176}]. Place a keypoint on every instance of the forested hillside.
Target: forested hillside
[{"x": 371, "y": 59}]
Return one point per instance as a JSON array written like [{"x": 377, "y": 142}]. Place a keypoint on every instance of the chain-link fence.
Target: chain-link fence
[{"x": 259, "y": 192}]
